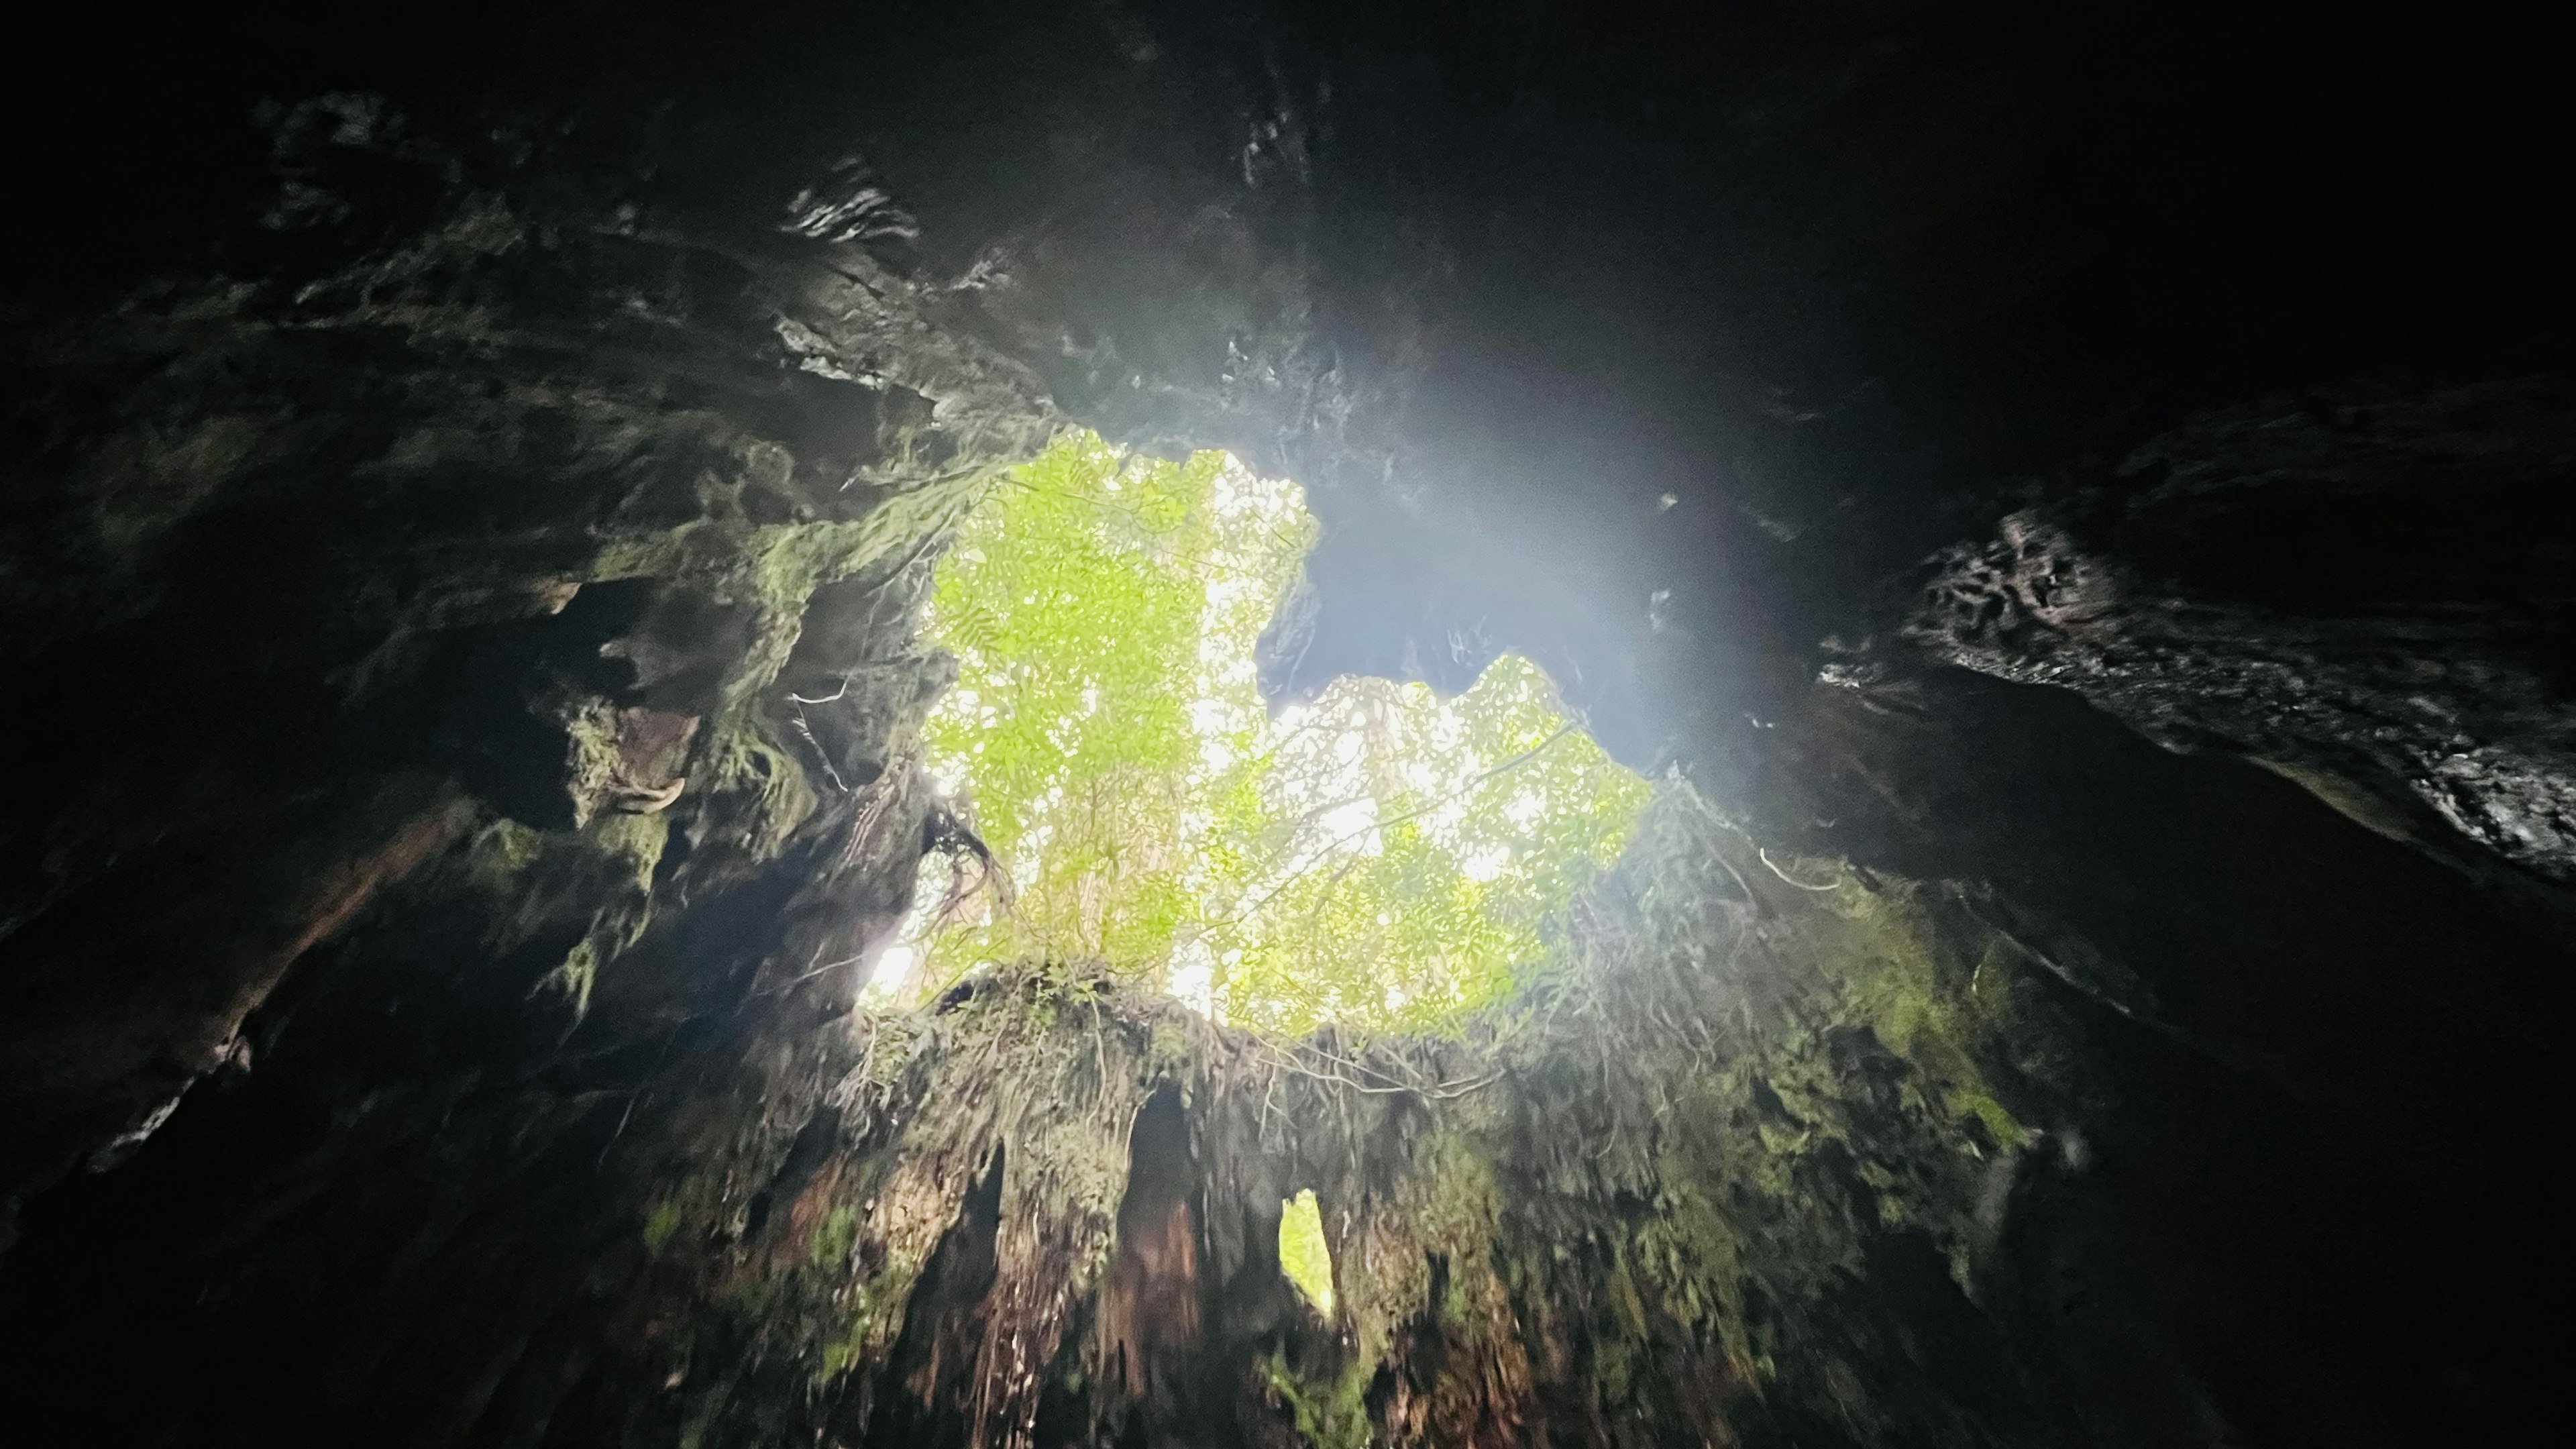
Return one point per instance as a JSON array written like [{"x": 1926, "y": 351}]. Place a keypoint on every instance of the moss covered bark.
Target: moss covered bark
[{"x": 1627, "y": 1205}]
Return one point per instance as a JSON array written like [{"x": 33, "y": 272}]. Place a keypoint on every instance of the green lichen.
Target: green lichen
[
  {"x": 633, "y": 844},
  {"x": 578, "y": 973},
  {"x": 591, "y": 758},
  {"x": 837, "y": 1234},
  {"x": 626, "y": 849},
  {"x": 1329, "y": 1415},
  {"x": 1576, "y": 1211},
  {"x": 871, "y": 1319},
  {"x": 502, "y": 852},
  {"x": 778, "y": 796},
  {"x": 659, "y": 1225},
  {"x": 2006, "y": 1129}
]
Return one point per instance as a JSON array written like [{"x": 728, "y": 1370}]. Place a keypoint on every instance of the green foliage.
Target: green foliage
[
  {"x": 1303, "y": 1255},
  {"x": 1076, "y": 604},
  {"x": 1328, "y": 1415},
  {"x": 1381, "y": 859},
  {"x": 1416, "y": 849}
]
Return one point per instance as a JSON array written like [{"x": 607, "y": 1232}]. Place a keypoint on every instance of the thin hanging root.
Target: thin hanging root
[
  {"x": 807, "y": 732},
  {"x": 1708, "y": 812},
  {"x": 1446, "y": 1091},
  {"x": 1752, "y": 901},
  {"x": 879, "y": 797},
  {"x": 792, "y": 982},
  {"x": 1785, "y": 876},
  {"x": 950, "y": 835}
]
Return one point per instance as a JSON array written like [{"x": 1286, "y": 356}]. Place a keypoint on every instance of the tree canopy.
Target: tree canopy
[{"x": 1380, "y": 859}]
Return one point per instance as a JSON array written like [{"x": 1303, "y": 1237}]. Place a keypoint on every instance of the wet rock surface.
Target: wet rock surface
[{"x": 2088, "y": 980}]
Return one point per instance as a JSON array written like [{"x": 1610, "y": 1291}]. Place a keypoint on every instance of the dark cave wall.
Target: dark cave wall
[
  {"x": 421, "y": 522},
  {"x": 471, "y": 827},
  {"x": 495, "y": 535},
  {"x": 1823, "y": 274}
]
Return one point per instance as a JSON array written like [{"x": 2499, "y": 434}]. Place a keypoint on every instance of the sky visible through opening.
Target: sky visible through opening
[{"x": 1379, "y": 858}]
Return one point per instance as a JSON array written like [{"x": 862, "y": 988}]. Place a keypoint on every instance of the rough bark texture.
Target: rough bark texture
[
  {"x": 461, "y": 566},
  {"x": 2368, "y": 590}
]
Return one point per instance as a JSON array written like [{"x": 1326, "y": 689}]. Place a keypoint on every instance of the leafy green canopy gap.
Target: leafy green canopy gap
[
  {"x": 1380, "y": 859},
  {"x": 1305, "y": 1259}
]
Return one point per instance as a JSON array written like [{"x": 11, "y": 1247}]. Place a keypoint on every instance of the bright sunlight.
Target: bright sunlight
[{"x": 1380, "y": 859}]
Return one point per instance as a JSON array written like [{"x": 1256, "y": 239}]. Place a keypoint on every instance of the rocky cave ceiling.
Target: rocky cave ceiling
[{"x": 2072, "y": 506}]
